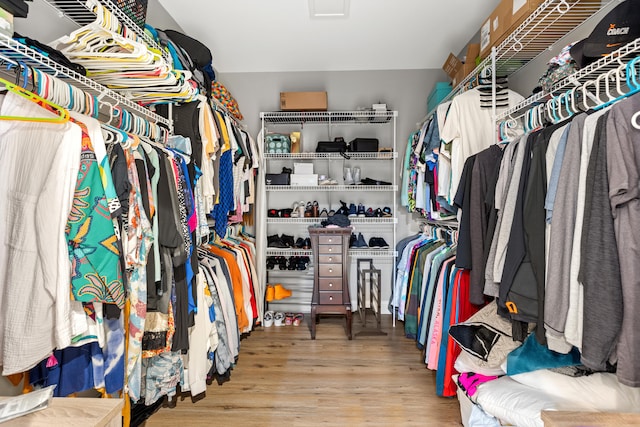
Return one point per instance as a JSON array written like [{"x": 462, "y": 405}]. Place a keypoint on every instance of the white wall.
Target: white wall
[{"x": 405, "y": 91}]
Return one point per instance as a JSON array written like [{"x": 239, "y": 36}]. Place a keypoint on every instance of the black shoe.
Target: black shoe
[
  {"x": 288, "y": 241},
  {"x": 299, "y": 243},
  {"x": 271, "y": 262},
  {"x": 360, "y": 243},
  {"x": 282, "y": 263},
  {"x": 378, "y": 242},
  {"x": 292, "y": 263},
  {"x": 302, "y": 262},
  {"x": 307, "y": 244},
  {"x": 369, "y": 181},
  {"x": 276, "y": 242},
  {"x": 343, "y": 210},
  {"x": 353, "y": 240}
]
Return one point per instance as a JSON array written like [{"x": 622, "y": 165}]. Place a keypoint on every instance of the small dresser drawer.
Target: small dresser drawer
[
  {"x": 330, "y": 259},
  {"x": 328, "y": 284},
  {"x": 330, "y": 270},
  {"x": 331, "y": 297},
  {"x": 329, "y": 249},
  {"x": 330, "y": 240}
]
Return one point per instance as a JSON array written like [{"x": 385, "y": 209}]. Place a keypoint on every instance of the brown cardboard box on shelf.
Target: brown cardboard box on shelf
[
  {"x": 496, "y": 27},
  {"x": 303, "y": 101},
  {"x": 460, "y": 75},
  {"x": 520, "y": 10},
  {"x": 473, "y": 51},
  {"x": 452, "y": 66}
]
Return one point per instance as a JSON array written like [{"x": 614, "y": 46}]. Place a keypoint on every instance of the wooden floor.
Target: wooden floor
[{"x": 283, "y": 378}]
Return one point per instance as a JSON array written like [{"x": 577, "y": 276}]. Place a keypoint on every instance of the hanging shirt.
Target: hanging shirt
[
  {"x": 93, "y": 245},
  {"x": 38, "y": 169},
  {"x": 470, "y": 129}
]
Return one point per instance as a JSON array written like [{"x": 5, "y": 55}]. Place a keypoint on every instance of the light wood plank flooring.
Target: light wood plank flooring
[{"x": 283, "y": 378}]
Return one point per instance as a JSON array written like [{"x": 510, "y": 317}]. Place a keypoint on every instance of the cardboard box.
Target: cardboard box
[
  {"x": 458, "y": 77},
  {"x": 304, "y": 180},
  {"x": 303, "y": 101},
  {"x": 303, "y": 168},
  {"x": 520, "y": 10},
  {"x": 473, "y": 51},
  {"x": 496, "y": 27},
  {"x": 452, "y": 65}
]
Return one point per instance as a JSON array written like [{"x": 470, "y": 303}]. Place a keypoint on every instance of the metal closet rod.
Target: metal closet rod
[
  {"x": 80, "y": 13},
  {"x": 23, "y": 75}
]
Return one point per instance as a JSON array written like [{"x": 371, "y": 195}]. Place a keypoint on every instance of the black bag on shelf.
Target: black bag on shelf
[
  {"x": 364, "y": 145},
  {"x": 336, "y": 146},
  {"x": 277, "y": 178}
]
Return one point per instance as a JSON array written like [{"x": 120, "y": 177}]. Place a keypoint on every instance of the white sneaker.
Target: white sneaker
[
  {"x": 268, "y": 319},
  {"x": 278, "y": 319}
]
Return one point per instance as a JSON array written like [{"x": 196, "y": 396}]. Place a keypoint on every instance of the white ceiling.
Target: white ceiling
[{"x": 279, "y": 35}]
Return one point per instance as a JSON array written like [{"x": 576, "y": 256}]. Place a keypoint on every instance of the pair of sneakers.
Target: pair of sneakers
[
  {"x": 378, "y": 242},
  {"x": 357, "y": 242},
  {"x": 279, "y": 318}
]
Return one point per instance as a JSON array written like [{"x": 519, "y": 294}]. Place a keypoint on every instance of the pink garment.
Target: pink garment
[
  {"x": 469, "y": 381},
  {"x": 436, "y": 324}
]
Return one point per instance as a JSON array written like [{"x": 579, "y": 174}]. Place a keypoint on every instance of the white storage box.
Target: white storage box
[
  {"x": 303, "y": 168},
  {"x": 304, "y": 179}
]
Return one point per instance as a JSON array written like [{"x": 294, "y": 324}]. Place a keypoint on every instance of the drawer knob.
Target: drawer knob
[
  {"x": 330, "y": 249},
  {"x": 331, "y": 270},
  {"x": 330, "y": 298},
  {"x": 331, "y": 285},
  {"x": 330, "y": 259}
]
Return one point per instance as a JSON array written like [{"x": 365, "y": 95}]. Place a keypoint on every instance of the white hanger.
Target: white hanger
[{"x": 635, "y": 120}]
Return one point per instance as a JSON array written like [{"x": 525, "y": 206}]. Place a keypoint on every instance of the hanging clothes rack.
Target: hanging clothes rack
[
  {"x": 588, "y": 87},
  {"x": 82, "y": 12},
  {"x": 543, "y": 28},
  {"x": 217, "y": 105},
  {"x": 16, "y": 53}
]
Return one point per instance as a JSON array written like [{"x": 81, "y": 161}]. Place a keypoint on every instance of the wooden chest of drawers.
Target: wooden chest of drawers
[{"x": 331, "y": 270}]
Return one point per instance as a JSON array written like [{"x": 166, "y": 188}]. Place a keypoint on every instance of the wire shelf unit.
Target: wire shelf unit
[
  {"x": 312, "y": 221},
  {"x": 449, "y": 224},
  {"x": 551, "y": 21},
  {"x": 332, "y": 156},
  {"x": 590, "y": 72},
  {"x": 328, "y": 117},
  {"x": 288, "y": 252},
  {"x": 372, "y": 253},
  {"x": 17, "y": 53},
  {"x": 78, "y": 11},
  {"x": 368, "y": 252},
  {"x": 357, "y": 188}
]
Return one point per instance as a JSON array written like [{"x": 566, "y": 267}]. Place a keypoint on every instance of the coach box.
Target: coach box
[{"x": 303, "y": 101}]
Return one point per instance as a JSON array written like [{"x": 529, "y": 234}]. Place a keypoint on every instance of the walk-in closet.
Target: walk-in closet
[{"x": 320, "y": 212}]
